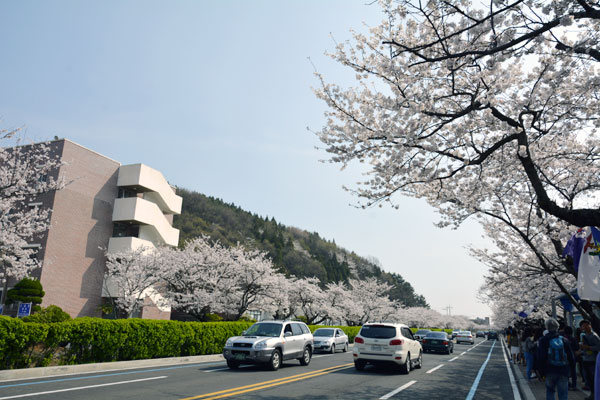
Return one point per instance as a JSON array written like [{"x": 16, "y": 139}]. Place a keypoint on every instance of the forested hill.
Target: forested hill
[{"x": 293, "y": 251}]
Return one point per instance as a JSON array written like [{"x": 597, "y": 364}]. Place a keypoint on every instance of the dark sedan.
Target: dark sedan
[
  {"x": 437, "y": 342},
  {"x": 492, "y": 335}
]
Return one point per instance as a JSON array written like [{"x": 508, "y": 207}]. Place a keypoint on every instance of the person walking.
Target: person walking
[
  {"x": 590, "y": 346},
  {"x": 555, "y": 357},
  {"x": 529, "y": 349},
  {"x": 513, "y": 342},
  {"x": 568, "y": 334}
]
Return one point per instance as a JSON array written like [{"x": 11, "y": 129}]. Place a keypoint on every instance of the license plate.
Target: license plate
[
  {"x": 435, "y": 342},
  {"x": 240, "y": 356},
  {"x": 376, "y": 348}
]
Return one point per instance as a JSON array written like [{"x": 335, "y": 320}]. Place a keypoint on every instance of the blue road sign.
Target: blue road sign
[
  {"x": 1, "y": 309},
  {"x": 24, "y": 310}
]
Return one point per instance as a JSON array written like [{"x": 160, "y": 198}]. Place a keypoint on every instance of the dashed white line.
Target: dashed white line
[
  {"x": 452, "y": 359},
  {"x": 401, "y": 388},
  {"x": 463, "y": 353},
  {"x": 81, "y": 388},
  {"x": 434, "y": 369}
]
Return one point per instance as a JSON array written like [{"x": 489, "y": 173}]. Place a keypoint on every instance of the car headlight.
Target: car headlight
[
  {"x": 261, "y": 345},
  {"x": 229, "y": 343}
]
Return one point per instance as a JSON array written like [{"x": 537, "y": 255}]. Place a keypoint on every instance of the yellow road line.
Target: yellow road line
[{"x": 267, "y": 384}]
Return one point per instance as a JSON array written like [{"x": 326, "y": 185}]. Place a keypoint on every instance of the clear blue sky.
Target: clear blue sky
[{"x": 217, "y": 96}]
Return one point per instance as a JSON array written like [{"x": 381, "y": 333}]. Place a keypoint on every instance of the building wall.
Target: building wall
[{"x": 80, "y": 227}]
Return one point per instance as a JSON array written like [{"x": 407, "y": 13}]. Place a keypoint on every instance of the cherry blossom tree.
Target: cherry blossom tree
[
  {"x": 26, "y": 172},
  {"x": 312, "y": 301},
  {"x": 131, "y": 276},
  {"x": 453, "y": 100}
]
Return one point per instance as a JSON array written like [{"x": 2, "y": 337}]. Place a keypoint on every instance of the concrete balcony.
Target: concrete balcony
[
  {"x": 127, "y": 243},
  {"x": 153, "y": 184},
  {"x": 154, "y": 226}
]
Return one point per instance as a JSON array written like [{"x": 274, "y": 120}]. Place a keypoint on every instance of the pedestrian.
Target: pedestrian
[
  {"x": 568, "y": 334},
  {"x": 589, "y": 346},
  {"x": 513, "y": 342},
  {"x": 555, "y": 357},
  {"x": 529, "y": 348}
]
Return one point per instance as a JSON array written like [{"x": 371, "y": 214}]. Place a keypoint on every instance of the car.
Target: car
[
  {"x": 421, "y": 333},
  {"x": 387, "y": 343},
  {"x": 437, "y": 342},
  {"x": 454, "y": 333},
  {"x": 465, "y": 336},
  {"x": 492, "y": 335},
  {"x": 480, "y": 334},
  {"x": 330, "y": 340},
  {"x": 270, "y": 343}
]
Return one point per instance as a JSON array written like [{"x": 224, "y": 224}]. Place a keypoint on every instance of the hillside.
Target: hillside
[{"x": 293, "y": 250}]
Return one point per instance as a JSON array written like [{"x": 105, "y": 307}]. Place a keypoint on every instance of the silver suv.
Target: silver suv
[
  {"x": 271, "y": 343},
  {"x": 387, "y": 343}
]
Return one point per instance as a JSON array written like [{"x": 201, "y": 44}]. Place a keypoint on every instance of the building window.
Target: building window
[
  {"x": 121, "y": 229},
  {"x": 254, "y": 314},
  {"x": 126, "y": 192}
]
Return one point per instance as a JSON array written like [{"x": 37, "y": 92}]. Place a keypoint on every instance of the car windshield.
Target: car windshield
[
  {"x": 436, "y": 335},
  {"x": 323, "y": 332},
  {"x": 264, "y": 329},
  {"x": 378, "y": 331},
  {"x": 422, "y": 331}
]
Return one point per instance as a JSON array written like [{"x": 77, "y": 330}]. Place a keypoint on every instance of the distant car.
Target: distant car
[
  {"x": 330, "y": 340},
  {"x": 437, "y": 342},
  {"x": 270, "y": 343},
  {"x": 465, "y": 337},
  {"x": 387, "y": 344},
  {"x": 454, "y": 333},
  {"x": 480, "y": 334},
  {"x": 492, "y": 335},
  {"x": 420, "y": 334}
]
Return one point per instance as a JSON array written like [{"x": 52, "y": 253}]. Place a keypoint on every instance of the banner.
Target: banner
[{"x": 588, "y": 276}]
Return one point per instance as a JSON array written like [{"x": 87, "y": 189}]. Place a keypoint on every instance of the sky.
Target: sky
[{"x": 217, "y": 95}]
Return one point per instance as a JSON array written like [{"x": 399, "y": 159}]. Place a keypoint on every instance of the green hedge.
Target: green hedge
[
  {"x": 87, "y": 340},
  {"x": 448, "y": 331}
]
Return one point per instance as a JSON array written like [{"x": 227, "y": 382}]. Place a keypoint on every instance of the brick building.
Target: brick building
[{"x": 105, "y": 206}]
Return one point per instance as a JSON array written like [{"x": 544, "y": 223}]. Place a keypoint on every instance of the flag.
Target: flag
[
  {"x": 574, "y": 247},
  {"x": 588, "y": 276}
]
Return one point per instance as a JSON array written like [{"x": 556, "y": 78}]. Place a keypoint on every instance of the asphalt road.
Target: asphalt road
[{"x": 477, "y": 371}]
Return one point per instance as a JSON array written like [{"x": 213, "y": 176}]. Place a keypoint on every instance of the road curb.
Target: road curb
[
  {"x": 40, "y": 372},
  {"x": 522, "y": 382}
]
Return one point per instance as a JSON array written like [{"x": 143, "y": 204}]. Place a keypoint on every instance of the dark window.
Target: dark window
[
  {"x": 296, "y": 330},
  {"x": 126, "y": 192},
  {"x": 407, "y": 333},
  {"x": 288, "y": 328},
  {"x": 121, "y": 229},
  {"x": 304, "y": 328},
  {"x": 437, "y": 335},
  {"x": 378, "y": 331}
]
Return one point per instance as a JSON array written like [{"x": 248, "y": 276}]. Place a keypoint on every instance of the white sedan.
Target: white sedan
[
  {"x": 330, "y": 340},
  {"x": 465, "y": 336}
]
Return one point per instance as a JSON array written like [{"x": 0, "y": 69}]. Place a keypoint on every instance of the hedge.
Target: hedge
[{"x": 87, "y": 340}]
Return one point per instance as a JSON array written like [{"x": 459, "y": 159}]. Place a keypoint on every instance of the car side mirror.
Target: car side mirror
[{"x": 287, "y": 334}]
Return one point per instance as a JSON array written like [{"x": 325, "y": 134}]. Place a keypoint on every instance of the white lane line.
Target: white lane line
[
  {"x": 430, "y": 371},
  {"x": 463, "y": 353},
  {"x": 479, "y": 374},
  {"x": 513, "y": 383},
  {"x": 80, "y": 388},
  {"x": 393, "y": 392},
  {"x": 452, "y": 359}
]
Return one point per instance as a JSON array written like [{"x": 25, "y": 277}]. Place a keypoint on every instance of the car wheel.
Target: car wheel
[
  {"x": 345, "y": 347},
  {"x": 360, "y": 365},
  {"x": 306, "y": 355},
  {"x": 405, "y": 368},
  {"x": 419, "y": 363},
  {"x": 275, "y": 361},
  {"x": 233, "y": 364},
  {"x": 332, "y": 351}
]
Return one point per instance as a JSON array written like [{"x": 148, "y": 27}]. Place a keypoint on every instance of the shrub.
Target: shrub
[
  {"x": 49, "y": 314},
  {"x": 26, "y": 291}
]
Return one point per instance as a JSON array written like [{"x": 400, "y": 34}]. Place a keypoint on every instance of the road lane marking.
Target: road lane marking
[
  {"x": 513, "y": 383},
  {"x": 453, "y": 359},
  {"x": 401, "y": 388},
  {"x": 101, "y": 372},
  {"x": 80, "y": 388},
  {"x": 434, "y": 369},
  {"x": 267, "y": 384},
  {"x": 479, "y": 374},
  {"x": 463, "y": 353}
]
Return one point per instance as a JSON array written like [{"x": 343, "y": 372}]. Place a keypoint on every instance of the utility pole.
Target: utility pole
[{"x": 448, "y": 310}]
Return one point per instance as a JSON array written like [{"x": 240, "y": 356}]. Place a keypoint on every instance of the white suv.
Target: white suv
[{"x": 387, "y": 343}]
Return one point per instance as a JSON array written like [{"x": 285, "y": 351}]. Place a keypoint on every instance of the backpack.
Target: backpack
[{"x": 557, "y": 355}]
